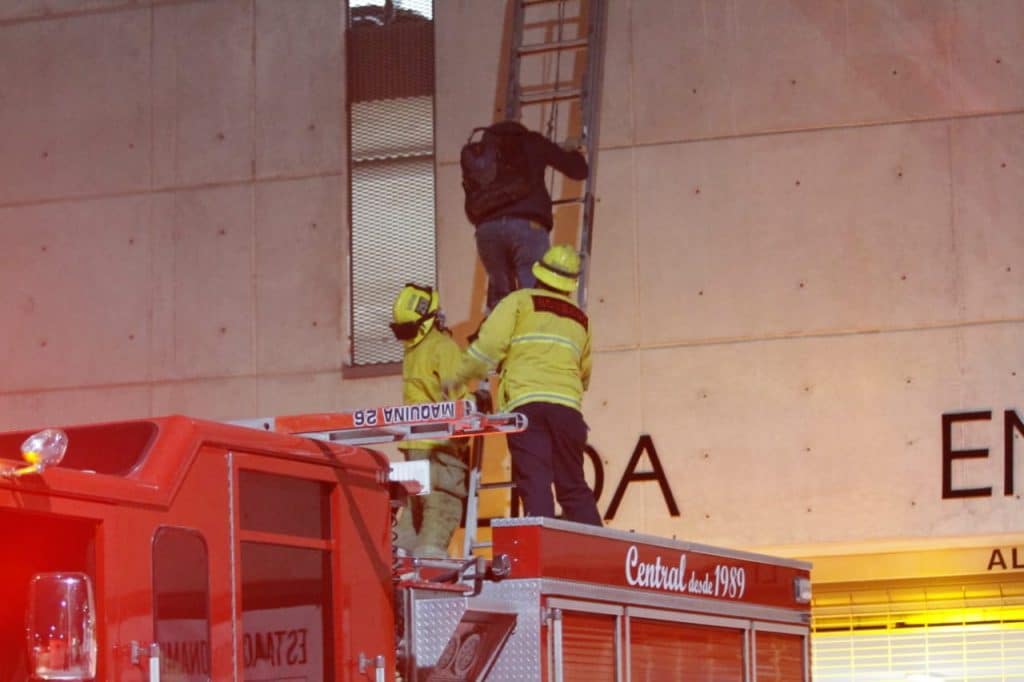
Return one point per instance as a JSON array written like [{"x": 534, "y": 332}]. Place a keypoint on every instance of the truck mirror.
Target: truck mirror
[{"x": 60, "y": 628}]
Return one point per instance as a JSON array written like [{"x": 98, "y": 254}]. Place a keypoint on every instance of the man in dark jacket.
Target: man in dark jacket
[{"x": 513, "y": 237}]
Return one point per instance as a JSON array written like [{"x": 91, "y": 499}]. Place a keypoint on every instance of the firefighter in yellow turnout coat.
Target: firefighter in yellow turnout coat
[
  {"x": 541, "y": 341},
  {"x": 426, "y": 526}
]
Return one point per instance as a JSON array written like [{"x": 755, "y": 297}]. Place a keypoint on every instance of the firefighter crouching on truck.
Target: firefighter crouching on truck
[
  {"x": 427, "y": 524},
  {"x": 541, "y": 341}
]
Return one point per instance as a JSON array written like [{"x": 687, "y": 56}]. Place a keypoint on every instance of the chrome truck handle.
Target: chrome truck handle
[
  {"x": 154, "y": 662},
  {"x": 151, "y": 653},
  {"x": 378, "y": 666}
]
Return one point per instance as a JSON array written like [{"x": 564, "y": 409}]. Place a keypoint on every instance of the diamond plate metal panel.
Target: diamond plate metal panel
[
  {"x": 434, "y": 620},
  {"x": 520, "y": 661}
]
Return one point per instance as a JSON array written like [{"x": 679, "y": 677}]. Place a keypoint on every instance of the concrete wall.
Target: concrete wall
[
  {"x": 807, "y": 249},
  {"x": 173, "y": 193}
]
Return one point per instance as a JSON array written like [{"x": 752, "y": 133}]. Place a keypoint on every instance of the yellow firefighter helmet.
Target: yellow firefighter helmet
[
  {"x": 414, "y": 313},
  {"x": 559, "y": 268}
]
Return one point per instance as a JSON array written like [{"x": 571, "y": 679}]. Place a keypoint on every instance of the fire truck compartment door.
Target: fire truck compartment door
[{"x": 579, "y": 635}]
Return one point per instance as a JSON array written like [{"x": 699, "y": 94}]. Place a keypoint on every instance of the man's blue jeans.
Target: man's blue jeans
[{"x": 508, "y": 248}]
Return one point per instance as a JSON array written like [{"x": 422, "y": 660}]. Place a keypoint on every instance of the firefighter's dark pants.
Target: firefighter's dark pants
[{"x": 550, "y": 450}]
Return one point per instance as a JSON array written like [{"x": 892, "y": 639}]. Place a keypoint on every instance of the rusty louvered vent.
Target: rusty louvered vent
[{"x": 391, "y": 141}]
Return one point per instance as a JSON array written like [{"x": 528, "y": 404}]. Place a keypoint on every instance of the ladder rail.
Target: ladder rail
[
  {"x": 426, "y": 421},
  {"x": 592, "y": 97},
  {"x": 512, "y": 108},
  {"x": 473, "y": 486}
]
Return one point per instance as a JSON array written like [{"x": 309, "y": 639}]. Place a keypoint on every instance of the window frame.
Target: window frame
[
  {"x": 351, "y": 368},
  {"x": 160, "y": 532},
  {"x": 330, "y": 545}
]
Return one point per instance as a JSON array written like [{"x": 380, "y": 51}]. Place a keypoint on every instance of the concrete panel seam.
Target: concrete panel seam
[{"x": 729, "y": 341}]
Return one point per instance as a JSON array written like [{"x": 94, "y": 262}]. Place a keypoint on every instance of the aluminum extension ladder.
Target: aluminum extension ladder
[
  {"x": 534, "y": 90},
  {"x": 557, "y": 57}
]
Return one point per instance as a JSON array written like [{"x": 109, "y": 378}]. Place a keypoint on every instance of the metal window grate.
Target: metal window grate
[{"x": 391, "y": 129}]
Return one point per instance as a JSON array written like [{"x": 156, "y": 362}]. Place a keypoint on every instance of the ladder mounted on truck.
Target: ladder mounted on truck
[
  {"x": 556, "y": 58},
  {"x": 374, "y": 425},
  {"x": 449, "y": 419}
]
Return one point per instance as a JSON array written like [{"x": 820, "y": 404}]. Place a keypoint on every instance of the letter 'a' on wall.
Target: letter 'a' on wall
[{"x": 390, "y": 63}]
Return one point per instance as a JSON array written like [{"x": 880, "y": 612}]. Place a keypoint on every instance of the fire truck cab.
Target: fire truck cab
[
  {"x": 240, "y": 554},
  {"x": 181, "y": 549}
]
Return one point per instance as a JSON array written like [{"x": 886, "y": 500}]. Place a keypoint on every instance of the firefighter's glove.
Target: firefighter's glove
[
  {"x": 483, "y": 400},
  {"x": 573, "y": 144},
  {"x": 449, "y": 387}
]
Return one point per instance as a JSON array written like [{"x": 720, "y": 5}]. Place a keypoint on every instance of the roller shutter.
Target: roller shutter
[
  {"x": 588, "y": 646},
  {"x": 662, "y": 650},
  {"x": 779, "y": 656},
  {"x": 955, "y": 629}
]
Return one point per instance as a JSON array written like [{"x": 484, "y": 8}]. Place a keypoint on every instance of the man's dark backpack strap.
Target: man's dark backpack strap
[{"x": 495, "y": 171}]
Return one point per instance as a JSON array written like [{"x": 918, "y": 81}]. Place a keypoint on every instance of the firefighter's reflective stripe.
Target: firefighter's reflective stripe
[{"x": 547, "y": 338}]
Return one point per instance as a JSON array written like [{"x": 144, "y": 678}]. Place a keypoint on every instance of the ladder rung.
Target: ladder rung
[
  {"x": 540, "y": 48},
  {"x": 496, "y": 486},
  {"x": 482, "y": 545},
  {"x": 551, "y": 96},
  {"x": 571, "y": 200}
]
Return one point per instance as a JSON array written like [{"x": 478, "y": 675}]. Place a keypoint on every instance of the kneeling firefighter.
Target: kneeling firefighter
[{"x": 428, "y": 522}]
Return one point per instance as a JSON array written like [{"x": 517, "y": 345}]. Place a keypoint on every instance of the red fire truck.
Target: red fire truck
[{"x": 178, "y": 549}]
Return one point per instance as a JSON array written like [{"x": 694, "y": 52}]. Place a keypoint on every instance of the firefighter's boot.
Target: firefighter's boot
[
  {"x": 404, "y": 536},
  {"x": 406, "y": 529},
  {"x": 442, "y": 513},
  {"x": 442, "y": 508}
]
